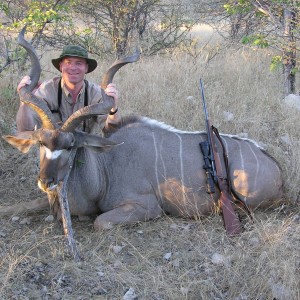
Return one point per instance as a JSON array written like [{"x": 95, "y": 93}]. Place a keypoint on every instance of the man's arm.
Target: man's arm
[{"x": 26, "y": 118}]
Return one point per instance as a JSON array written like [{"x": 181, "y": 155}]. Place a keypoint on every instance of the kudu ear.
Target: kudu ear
[
  {"x": 94, "y": 142},
  {"x": 23, "y": 141}
]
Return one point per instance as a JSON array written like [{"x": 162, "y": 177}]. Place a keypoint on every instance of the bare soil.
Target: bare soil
[{"x": 168, "y": 258}]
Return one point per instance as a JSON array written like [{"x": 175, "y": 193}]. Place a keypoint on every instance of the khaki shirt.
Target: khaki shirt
[{"x": 48, "y": 91}]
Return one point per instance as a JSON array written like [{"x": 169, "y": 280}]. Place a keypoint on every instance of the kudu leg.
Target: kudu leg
[
  {"x": 127, "y": 213},
  {"x": 25, "y": 207}
]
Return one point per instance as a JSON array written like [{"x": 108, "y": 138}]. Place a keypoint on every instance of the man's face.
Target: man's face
[{"x": 73, "y": 69}]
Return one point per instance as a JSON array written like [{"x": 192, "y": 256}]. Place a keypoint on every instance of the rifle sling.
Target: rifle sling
[{"x": 226, "y": 167}]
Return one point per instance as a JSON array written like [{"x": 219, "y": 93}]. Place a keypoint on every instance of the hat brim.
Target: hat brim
[{"x": 92, "y": 63}]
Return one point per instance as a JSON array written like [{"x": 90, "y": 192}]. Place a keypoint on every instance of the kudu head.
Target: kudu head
[{"x": 57, "y": 143}]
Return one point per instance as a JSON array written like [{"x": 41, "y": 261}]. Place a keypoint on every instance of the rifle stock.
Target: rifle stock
[{"x": 230, "y": 219}]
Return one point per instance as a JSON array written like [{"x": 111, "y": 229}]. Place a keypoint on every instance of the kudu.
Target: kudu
[{"x": 143, "y": 169}]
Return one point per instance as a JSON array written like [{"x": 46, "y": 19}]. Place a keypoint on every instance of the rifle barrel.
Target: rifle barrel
[
  {"x": 209, "y": 137},
  {"x": 204, "y": 106}
]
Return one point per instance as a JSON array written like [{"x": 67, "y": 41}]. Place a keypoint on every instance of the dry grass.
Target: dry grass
[{"x": 262, "y": 263}]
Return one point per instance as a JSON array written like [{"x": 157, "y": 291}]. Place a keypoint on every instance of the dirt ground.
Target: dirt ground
[{"x": 169, "y": 258}]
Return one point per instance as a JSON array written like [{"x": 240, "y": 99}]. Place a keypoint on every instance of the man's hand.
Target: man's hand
[
  {"x": 25, "y": 81},
  {"x": 112, "y": 91}
]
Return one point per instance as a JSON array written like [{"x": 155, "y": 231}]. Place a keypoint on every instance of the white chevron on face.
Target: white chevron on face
[{"x": 52, "y": 154}]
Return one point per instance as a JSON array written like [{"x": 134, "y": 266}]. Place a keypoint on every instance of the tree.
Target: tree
[
  {"x": 270, "y": 23},
  {"x": 115, "y": 25},
  {"x": 36, "y": 15},
  {"x": 101, "y": 26}
]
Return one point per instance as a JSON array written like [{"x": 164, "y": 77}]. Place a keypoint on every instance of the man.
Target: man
[{"x": 68, "y": 93}]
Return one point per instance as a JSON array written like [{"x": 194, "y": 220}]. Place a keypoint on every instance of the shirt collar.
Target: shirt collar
[{"x": 67, "y": 93}]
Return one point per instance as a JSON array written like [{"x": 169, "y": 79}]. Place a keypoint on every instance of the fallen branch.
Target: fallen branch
[{"x": 65, "y": 211}]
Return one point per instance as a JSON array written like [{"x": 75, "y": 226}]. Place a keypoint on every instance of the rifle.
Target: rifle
[{"x": 215, "y": 175}]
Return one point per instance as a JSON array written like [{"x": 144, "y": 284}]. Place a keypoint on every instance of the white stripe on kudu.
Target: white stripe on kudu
[
  {"x": 257, "y": 166},
  {"x": 156, "y": 165},
  {"x": 181, "y": 166}
]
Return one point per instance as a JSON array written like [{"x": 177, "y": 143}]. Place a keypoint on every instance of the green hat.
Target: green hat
[{"x": 76, "y": 51}]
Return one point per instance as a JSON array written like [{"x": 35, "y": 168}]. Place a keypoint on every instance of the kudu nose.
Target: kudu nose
[{"x": 46, "y": 183}]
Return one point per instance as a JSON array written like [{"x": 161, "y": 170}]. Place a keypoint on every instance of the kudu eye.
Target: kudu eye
[
  {"x": 71, "y": 145},
  {"x": 69, "y": 148}
]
